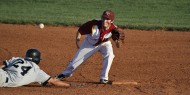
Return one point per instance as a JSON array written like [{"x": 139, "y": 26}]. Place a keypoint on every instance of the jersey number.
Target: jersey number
[{"x": 24, "y": 69}]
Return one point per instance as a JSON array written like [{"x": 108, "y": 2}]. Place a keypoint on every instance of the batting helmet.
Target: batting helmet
[{"x": 33, "y": 55}]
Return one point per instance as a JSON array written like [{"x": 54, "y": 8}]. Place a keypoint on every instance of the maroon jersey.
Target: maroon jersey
[{"x": 87, "y": 28}]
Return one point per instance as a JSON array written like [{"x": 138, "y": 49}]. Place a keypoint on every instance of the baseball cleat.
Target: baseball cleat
[
  {"x": 60, "y": 76},
  {"x": 103, "y": 81}
]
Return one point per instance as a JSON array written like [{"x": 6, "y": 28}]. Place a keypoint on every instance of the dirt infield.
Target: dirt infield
[{"x": 158, "y": 60}]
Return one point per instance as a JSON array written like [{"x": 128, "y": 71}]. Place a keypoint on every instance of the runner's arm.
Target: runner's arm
[{"x": 56, "y": 82}]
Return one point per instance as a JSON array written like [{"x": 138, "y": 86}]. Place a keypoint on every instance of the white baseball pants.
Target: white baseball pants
[{"x": 85, "y": 51}]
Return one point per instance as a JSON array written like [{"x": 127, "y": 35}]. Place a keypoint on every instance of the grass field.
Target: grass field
[{"x": 133, "y": 14}]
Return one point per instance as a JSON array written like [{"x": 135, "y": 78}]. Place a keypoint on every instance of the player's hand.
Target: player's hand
[
  {"x": 78, "y": 36},
  {"x": 117, "y": 42}
]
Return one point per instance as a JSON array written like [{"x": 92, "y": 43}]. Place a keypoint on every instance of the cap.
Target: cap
[{"x": 108, "y": 14}]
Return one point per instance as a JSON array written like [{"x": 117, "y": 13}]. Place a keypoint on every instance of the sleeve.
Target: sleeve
[
  {"x": 46, "y": 82},
  {"x": 86, "y": 28},
  {"x": 42, "y": 78}
]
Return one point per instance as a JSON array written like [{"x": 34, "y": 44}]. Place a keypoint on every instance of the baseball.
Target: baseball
[{"x": 41, "y": 25}]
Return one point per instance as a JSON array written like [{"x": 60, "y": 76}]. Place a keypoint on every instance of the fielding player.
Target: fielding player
[{"x": 98, "y": 34}]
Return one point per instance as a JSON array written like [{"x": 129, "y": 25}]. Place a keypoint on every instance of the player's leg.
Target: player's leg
[
  {"x": 84, "y": 52},
  {"x": 108, "y": 56}
]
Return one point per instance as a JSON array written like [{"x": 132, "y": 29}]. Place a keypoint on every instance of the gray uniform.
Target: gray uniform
[{"x": 20, "y": 72}]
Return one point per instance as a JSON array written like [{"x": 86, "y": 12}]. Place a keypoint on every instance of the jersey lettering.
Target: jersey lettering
[
  {"x": 16, "y": 62},
  {"x": 24, "y": 69}
]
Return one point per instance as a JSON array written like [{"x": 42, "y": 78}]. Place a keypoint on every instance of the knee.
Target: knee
[{"x": 109, "y": 56}]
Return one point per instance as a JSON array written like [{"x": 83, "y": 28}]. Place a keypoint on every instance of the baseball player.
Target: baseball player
[
  {"x": 98, "y": 34},
  {"x": 19, "y": 71}
]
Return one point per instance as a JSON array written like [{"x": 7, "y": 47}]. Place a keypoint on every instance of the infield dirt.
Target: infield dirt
[{"x": 158, "y": 60}]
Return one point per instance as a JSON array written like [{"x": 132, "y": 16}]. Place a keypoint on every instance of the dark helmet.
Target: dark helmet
[{"x": 33, "y": 55}]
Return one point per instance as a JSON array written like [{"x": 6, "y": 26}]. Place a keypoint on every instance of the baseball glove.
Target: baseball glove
[{"x": 118, "y": 36}]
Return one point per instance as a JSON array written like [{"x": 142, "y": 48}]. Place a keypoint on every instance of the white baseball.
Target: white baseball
[{"x": 41, "y": 25}]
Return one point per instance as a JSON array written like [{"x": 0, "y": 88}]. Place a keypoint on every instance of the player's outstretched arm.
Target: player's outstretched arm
[{"x": 56, "y": 82}]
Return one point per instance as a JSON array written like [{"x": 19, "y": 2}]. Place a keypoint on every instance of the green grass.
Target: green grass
[{"x": 133, "y": 14}]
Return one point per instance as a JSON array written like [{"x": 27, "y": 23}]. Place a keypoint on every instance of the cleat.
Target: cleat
[
  {"x": 103, "y": 81},
  {"x": 60, "y": 76}
]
